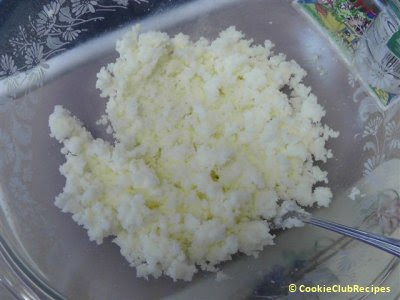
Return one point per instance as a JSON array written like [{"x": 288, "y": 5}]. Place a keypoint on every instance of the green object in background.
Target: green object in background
[{"x": 394, "y": 44}]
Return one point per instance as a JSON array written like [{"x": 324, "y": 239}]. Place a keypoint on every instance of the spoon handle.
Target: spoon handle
[{"x": 384, "y": 243}]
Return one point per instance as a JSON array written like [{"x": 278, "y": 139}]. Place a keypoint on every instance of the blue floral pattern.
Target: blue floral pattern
[{"x": 48, "y": 33}]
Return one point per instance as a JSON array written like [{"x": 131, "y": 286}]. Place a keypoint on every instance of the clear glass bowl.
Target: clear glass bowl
[{"x": 45, "y": 255}]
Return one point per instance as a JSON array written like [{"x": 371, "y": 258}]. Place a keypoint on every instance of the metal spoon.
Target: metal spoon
[{"x": 389, "y": 245}]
